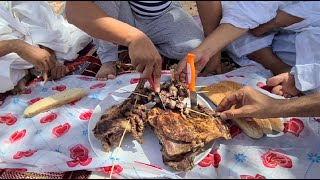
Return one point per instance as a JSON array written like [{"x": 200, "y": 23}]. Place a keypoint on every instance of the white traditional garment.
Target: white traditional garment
[
  {"x": 297, "y": 45},
  {"x": 36, "y": 23}
]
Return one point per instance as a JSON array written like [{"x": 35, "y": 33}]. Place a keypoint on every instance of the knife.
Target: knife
[
  {"x": 157, "y": 95},
  {"x": 192, "y": 81}
]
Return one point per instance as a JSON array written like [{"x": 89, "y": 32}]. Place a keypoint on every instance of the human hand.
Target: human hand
[
  {"x": 200, "y": 61},
  {"x": 146, "y": 59},
  {"x": 249, "y": 103},
  {"x": 58, "y": 72},
  {"x": 40, "y": 58},
  {"x": 213, "y": 66}
]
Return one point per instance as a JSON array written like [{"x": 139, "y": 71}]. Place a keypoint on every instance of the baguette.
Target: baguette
[
  {"x": 250, "y": 128},
  {"x": 265, "y": 125},
  {"x": 277, "y": 124},
  {"x": 217, "y": 92},
  {"x": 54, "y": 101}
]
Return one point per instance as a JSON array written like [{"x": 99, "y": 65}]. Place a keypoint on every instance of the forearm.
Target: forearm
[
  {"x": 8, "y": 46},
  {"x": 305, "y": 106},
  {"x": 223, "y": 35},
  {"x": 98, "y": 24},
  {"x": 210, "y": 13}
]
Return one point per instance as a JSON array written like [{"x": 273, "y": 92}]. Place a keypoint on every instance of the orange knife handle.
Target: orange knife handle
[{"x": 191, "y": 72}]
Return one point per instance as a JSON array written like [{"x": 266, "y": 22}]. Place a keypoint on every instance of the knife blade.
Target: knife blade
[
  {"x": 157, "y": 95},
  {"x": 192, "y": 81}
]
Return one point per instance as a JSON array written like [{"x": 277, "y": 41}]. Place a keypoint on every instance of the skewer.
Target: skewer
[
  {"x": 200, "y": 86},
  {"x": 200, "y": 92},
  {"x": 117, "y": 152},
  {"x": 197, "y": 112}
]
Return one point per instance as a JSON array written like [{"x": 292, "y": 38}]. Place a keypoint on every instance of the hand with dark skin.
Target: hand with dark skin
[
  {"x": 143, "y": 54},
  {"x": 210, "y": 13},
  {"x": 213, "y": 44},
  {"x": 40, "y": 58},
  {"x": 250, "y": 103}
]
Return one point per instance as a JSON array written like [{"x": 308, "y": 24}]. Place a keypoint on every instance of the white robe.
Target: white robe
[
  {"x": 297, "y": 45},
  {"x": 36, "y": 23}
]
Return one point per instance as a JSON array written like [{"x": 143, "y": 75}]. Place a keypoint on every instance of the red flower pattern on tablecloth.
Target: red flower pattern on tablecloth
[
  {"x": 21, "y": 154},
  {"x": 8, "y": 119},
  {"x": 294, "y": 126},
  {"x": 258, "y": 176},
  {"x": 48, "y": 118},
  {"x": 61, "y": 129},
  {"x": 80, "y": 155},
  {"x": 117, "y": 169},
  {"x": 272, "y": 159},
  {"x": 59, "y": 88},
  {"x": 213, "y": 158},
  {"x": 86, "y": 115},
  {"x": 134, "y": 80},
  {"x": 16, "y": 136},
  {"x": 32, "y": 101},
  {"x": 99, "y": 85}
]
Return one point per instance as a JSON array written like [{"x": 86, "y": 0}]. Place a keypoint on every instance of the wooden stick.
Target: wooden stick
[
  {"x": 200, "y": 86},
  {"x": 199, "y": 92},
  {"x": 124, "y": 132},
  {"x": 117, "y": 152},
  {"x": 197, "y": 112},
  {"x": 134, "y": 93}
]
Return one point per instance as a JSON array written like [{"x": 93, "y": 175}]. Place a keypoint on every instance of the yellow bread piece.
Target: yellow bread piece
[
  {"x": 54, "y": 101},
  {"x": 277, "y": 124},
  {"x": 265, "y": 125},
  {"x": 216, "y": 92}
]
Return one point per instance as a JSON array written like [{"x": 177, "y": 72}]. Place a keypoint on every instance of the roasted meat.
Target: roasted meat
[
  {"x": 182, "y": 138},
  {"x": 181, "y": 132},
  {"x": 130, "y": 114}
]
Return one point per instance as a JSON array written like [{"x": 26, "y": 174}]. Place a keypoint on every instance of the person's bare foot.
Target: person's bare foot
[
  {"x": 107, "y": 71},
  {"x": 283, "y": 85},
  {"x": 21, "y": 85}
]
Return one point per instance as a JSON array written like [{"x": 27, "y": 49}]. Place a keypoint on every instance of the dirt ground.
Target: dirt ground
[{"x": 189, "y": 6}]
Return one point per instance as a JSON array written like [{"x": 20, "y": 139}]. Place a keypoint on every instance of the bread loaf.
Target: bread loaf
[
  {"x": 254, "y": 129},
  {"x": 277, "y": 124},
  {"x": 265, "y": 125},
  {"x": 54, "y": 101}
]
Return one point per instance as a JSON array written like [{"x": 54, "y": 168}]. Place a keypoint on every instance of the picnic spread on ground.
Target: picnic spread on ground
[{"x": 100, "y": 114}]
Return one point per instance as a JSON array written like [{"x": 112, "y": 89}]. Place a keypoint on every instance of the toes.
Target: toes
[{"x": 111, "y": 76}]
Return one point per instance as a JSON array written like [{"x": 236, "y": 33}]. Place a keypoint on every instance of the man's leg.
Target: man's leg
[
  {"x": 107, "y": 51},
  {"x": 175, "y": 33},
  {"x": 270, "y": 60}
]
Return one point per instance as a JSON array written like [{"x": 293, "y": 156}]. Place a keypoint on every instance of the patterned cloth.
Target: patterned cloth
[{"x": 57, "y": 141}]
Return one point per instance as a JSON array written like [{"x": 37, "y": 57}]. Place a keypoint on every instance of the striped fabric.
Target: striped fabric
[{"x": 149, "y": 8}]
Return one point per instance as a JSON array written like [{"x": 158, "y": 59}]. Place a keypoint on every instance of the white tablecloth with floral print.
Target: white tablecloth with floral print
[{"x": 57, "y": 140}]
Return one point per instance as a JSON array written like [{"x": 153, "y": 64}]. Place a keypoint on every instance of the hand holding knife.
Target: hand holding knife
[{"x": 156, "y": 94}]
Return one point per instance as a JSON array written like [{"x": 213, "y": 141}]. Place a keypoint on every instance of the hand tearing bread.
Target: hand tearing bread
[
  {"x": 254, "y": 129},
  {"x": 54, "y": 101}
]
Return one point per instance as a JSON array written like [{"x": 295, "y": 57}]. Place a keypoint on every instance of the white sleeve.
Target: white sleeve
[
  {"x": 249, "y": 14},
  {"x": 307, "y": 68}
]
